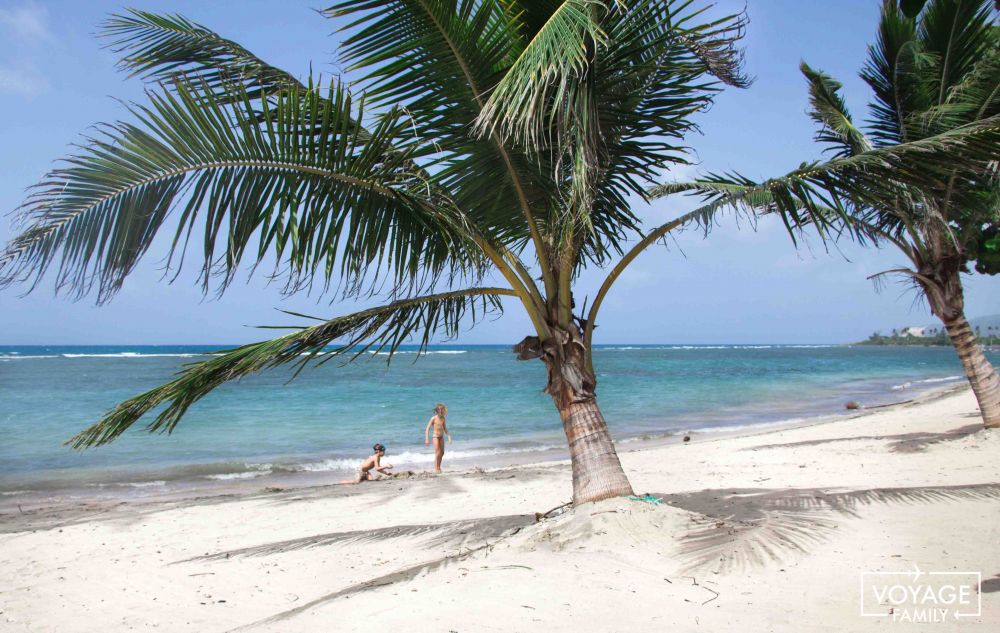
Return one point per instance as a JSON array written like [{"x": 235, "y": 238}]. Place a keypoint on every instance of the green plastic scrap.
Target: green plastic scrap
[{"x": 646, "y": 499}]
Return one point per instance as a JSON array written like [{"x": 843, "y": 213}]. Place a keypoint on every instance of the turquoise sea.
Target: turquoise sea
[{"x": 265, "y": 427}]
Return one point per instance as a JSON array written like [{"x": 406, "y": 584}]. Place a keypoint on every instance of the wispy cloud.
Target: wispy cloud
[
  {"x": 23, "y": 28},
  {"x": 27, "y": 23},
  {"x": 22, "y": 78}
]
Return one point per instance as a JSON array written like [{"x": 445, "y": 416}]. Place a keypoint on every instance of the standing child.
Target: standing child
[{"x": 440, "y": 430}]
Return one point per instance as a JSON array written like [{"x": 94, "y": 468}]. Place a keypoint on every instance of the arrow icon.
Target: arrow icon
[{"x": 916, "y": 574}]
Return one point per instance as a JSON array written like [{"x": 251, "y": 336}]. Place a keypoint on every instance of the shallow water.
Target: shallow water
[{"x": 327, "y": 419}]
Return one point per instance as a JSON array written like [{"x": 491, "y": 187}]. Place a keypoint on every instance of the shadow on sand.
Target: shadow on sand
[
  {"x": 901, "y": 443},
  {"x": 742, "y": 529}
]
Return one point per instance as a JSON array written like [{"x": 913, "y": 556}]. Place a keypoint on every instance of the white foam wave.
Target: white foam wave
[
  {"x": 427, "y": 353},
  {"x": 410, "y": 458},
  {"x": 626, "y": 348},
  {"x": 325, "y": 465},
  {"x": 244, "y": 475},
  {"x": 130, "y": 355},
  {"x": 927, "y": 381},
  {"x": 945, "y": 379},
  {"x": 15, "y": 356},
  {"x": 748, "y": 427},
  {"x": 142, "y": 484}
]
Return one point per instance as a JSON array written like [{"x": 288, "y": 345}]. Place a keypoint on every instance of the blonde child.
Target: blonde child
[{"x": 440, "y": 431}]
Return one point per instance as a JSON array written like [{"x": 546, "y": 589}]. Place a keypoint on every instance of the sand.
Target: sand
[{"x": 764, "y": 532}]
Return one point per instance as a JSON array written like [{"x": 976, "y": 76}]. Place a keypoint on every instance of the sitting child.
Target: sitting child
[{"x": 372, "y": 463}]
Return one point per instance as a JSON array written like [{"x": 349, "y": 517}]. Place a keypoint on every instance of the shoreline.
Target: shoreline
[
  {"x": 763, "y": 531},
  {"x": 647, "y": 395},
  {"x": 54, "y": 506}
]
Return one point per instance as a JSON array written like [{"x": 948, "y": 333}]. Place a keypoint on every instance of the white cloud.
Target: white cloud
[
  {"x": 23, "y": 26},
  {"x": 22, "y": 79},
  {"x": 27, "y": 23}
]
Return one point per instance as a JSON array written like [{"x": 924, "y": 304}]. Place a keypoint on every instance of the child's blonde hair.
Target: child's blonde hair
[{"x": 440, "y": 409}]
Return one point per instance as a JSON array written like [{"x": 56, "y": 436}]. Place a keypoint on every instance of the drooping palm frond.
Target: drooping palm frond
[
  {"x": 304, "y": 182},
  {"x": 165, "y": 48},
  {"x": 881, "y": 187},
  {"x": 827, "y": 107},
  {"x": 382, "y": 328}
]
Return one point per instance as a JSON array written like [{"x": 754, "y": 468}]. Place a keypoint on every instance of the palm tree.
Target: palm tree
[
  {"x": 483, "y": 137},
  {"x": 935, "y": 73}
]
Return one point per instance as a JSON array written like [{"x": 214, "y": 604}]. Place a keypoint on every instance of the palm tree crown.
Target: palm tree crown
[
  {"x": 483, "y": 136},
  {"x": 922, "y": 176}
]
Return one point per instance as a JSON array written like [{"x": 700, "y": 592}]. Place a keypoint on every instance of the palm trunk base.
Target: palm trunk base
[
  {"x": 981, "y": 374},
  {"x": 597, "y": 471}
]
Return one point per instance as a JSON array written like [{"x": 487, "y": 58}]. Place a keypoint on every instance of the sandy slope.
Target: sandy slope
[{"x": 759, "y": 533}]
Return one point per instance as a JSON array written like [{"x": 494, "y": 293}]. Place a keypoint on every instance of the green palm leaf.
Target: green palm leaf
[
  {"x": 827, "y": 107},
  {"x": 893, "y": 179},
  {"x": 168, "y": 48},
  {"x": 304, "y": 185},
  {"x": 382, "y": 328}
]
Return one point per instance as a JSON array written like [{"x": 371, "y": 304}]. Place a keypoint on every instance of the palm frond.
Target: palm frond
[
  {"x": 166, "y": 48},
  {"x": 382, "y": 328},
  {"x": 877, "y": 187},
  {"x": 893, "y": 71},
  {"x": 827, "y": 107},
  {"x": 437, "y": 59},
  {"x": 303, "y": 184},
  {"x": 549, "y": 70},
  {"x": 957, "y": 33},
  {"x": 652, "y": 77}
]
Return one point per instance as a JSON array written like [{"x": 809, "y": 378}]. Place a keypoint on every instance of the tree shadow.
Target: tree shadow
[
  {"x": 437, "y": 535},
  {"x": 990, "y": 585},
  {"x": 900, "y": 443},
  {"x": 746, "y": 528}
]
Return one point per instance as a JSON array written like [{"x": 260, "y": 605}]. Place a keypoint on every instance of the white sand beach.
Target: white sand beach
[{"x": 764, "y": 532}]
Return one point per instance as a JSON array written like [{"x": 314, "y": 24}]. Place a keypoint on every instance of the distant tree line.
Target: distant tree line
[{"x": 932, "y": 336}]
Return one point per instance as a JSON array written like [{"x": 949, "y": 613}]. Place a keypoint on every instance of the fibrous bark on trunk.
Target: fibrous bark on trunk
[
  {"x": 943, "y": 286},
  {"x": 597, "y": 471},
  {"x": 981, "y": 374}
]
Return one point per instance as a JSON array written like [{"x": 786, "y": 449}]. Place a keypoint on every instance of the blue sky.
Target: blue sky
[{"x": 738, "y": 285}]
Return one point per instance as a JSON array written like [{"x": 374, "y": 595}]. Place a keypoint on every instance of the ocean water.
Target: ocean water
[{"x": 325, "y": 421}]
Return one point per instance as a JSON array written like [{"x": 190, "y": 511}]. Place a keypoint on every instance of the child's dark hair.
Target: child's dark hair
[{"x": 378, "y": 447}]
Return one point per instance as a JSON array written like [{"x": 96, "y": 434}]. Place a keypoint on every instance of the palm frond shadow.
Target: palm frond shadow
[
  {"x": 514, "y": 523},
  {"x": 437, "y": 535},
  {"x": 899, "y": 443},
  {"x": 743, "y": 529},
  {"x": 990, "y": 585},
  {"x": 401, "y": 575}
]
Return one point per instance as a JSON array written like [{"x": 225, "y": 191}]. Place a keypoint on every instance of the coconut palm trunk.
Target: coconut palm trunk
[
  {"x": 981, "y": 374},
  {"x": 597, "y": 471},
  {"x": 946, "y": 299}
]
